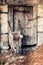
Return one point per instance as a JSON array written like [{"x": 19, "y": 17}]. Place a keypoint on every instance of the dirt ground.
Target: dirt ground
[{"x": 31, "y": 58}]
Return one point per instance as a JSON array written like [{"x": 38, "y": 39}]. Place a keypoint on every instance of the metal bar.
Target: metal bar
[
  {"x": 20, "y": 5},
  {"x": 21, "y": 11}
]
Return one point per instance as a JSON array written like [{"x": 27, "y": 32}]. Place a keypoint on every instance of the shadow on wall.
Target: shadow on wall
[
  {"x": 26, "y": 46},
  {"x": 26, "y": 39},
  {"x": 26, "y": 42}
]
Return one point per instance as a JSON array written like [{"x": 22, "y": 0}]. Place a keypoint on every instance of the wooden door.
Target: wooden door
[{"x": 24, "y": 24}]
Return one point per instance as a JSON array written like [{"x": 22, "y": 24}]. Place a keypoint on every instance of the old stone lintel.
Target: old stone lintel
[{"x": 19, "y": 2}]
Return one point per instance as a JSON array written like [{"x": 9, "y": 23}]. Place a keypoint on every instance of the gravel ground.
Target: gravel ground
[{"x": 31, "y": 58}]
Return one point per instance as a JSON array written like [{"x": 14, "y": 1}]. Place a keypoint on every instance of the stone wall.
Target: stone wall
[
  {"x": 4, "y": 25},
  {"x": 40, "y": 24}
]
